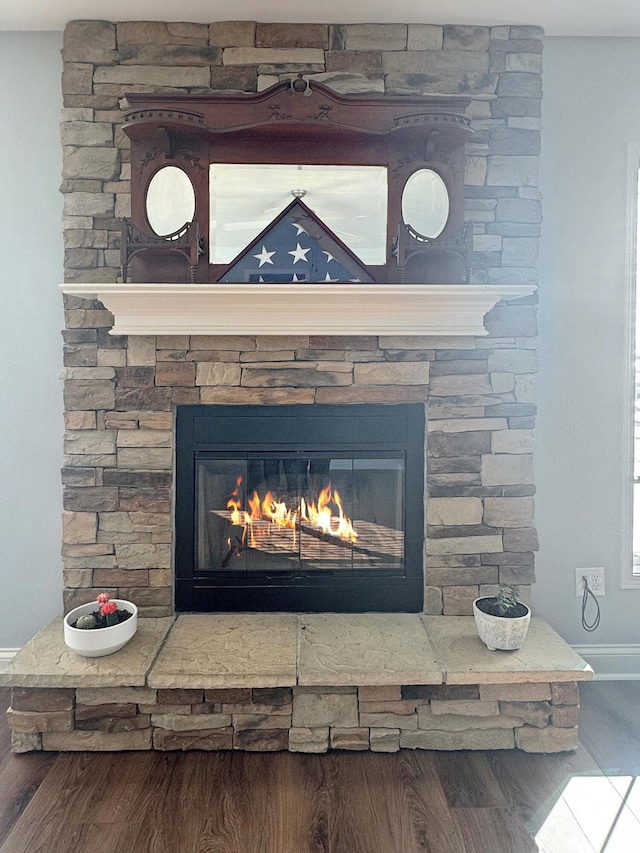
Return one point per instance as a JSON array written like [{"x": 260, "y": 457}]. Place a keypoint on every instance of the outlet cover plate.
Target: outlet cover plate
[{"x": 595, "y": 579}]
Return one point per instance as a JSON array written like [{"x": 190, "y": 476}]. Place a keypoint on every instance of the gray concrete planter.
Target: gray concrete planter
[{"x": 500, "y": 632}]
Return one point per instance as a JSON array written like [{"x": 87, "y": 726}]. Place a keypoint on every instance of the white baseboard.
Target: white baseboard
[{"x": 612, "y": 662}]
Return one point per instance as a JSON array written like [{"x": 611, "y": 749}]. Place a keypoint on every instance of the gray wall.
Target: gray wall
[
  {"x": 590, "y": 112},
  {"x": 30, "y": 323}
]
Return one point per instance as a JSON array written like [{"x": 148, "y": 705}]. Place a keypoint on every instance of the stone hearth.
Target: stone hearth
[{"x": 303, "y": 683}]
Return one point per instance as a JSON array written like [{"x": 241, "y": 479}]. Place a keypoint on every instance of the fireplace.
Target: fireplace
[{"x": 300, "y": 508}]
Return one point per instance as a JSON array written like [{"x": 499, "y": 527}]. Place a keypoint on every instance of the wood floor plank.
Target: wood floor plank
[
  {"x": 609, "y": 725},
  {"x": 468, "y": 780}
]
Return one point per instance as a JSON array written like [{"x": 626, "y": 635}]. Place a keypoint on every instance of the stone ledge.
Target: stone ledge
[{"x": 207, "y": 651}]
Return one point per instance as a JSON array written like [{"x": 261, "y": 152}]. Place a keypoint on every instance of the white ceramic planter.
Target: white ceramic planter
[
  {"x": 498, "y": 632},
  {"x": 99, "y": 641}
]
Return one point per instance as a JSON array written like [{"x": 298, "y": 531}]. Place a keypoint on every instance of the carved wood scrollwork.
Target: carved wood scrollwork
[{"x": 303, "y": 122}]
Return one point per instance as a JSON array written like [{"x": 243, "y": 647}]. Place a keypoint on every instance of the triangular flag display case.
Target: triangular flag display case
[{"x": 300, "y": 122}]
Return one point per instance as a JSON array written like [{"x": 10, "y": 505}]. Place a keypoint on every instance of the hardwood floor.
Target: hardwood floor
[{"x": 409, "y": 802}]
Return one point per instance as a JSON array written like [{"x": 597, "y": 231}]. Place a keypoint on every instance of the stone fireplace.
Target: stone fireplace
[
  {"x": 122, "y": 390},
  {"x": 144, "y": 363}
]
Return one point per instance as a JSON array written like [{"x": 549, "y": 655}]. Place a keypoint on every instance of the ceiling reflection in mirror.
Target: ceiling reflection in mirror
[
  {"x": 350, "y": 200},
  {"x": 425, "y": 203},
  {"x": 170, "y": 201}
]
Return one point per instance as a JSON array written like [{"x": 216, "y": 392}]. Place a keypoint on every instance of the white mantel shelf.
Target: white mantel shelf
[{"x": 302, "y": 309}]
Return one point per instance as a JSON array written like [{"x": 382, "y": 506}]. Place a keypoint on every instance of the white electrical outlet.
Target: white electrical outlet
[{"x": 595, "y": 579}]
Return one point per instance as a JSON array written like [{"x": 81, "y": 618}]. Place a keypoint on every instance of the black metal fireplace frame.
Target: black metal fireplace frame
[{"x": 359, "y": 428}]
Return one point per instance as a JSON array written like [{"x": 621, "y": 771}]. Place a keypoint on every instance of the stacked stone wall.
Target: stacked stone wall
[
  {"x": 121, "y": 393},
  {"x": 533, "y": 717}
]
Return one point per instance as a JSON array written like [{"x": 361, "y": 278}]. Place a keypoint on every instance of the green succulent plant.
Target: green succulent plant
[
  {"x": 86, "y": 622},
  {"x": 507, "y": 599}
]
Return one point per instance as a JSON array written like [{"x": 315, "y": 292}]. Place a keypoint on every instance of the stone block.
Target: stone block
[
  {"x": 39, "y": 721},
  {"x": 272, "y": 56},
  {"x": 565, "y": 716},
  {"x": 524, "y": 692},
  {"x": 135, "y": 722},
  {"x": 428, "y": 721},
  {"x": 426, "y": 692},
  {"x": 381, "y": 693},
  {"x": 206, "y": 739},
  {"x": 42, "y": 699},
  {"x": 458, "y": 444},
  {"x": 309, "y": 740},
  {"x": 86, "y": 394},
  {"x": 424, "y": 37},
  {"x": 520, "y": 85},
  {"x": 466, "y": 708},
  {"x": 113, "y": 709},
  {"x": 292, "y": 35},
  {"x": 96, "y": 499},
  {"x": 25, "y": 742},
  {"x": 397, "y": 706},
  {"x": 462, "y": 577},
  {"x": 465, "y": 545},
  {"x": 145, "y": 458},
  {"x": 530, "y": 63},
  {"x": 466, "y": 38},
  {"x": 232, "y": 33},
  {"x": 261, "y": 721},
  {"x": 79, "y": 527},
  {"x": 550, "y": 739},
  {"x": 454, "y": 511},
  {"x": 389, "y": 721},
  {"x": 80, "y": 420},
  {"x": 350, "y": 739},
  {"x": 115, "y": 695},
  {"x": 388, "y": 37},
  {"x": 458, "y": 600},
  {"x": 373, "y": 394},
  {"x": 141, "y": 350},
  {"x": 505, "y": 470},
  {"x": 379, "y": 373},
  {"x": 78, "y": 476},
  {"x": 351, "y": 84},
  {"x": 533, "y": 713},
  {"x": 274, "y": 696},
  {"x": 355, "y": 61},
  {"x": 180, "y": 373},
  {"x": 87, "y": 204},
  {"x": 135, "y": 377},
  {"x": 435, "y": 62},
  {"x": 384, "y": 740},
  {"x": 152, "y": 75},
  {"x": 145, "y": 438},
  {"x": 217, "y": 373},
  {"x": 512, "y": 171},
  {"x": 91, "y": 133},
  {"x": 190, "y": 722},
  {"x": 90, "y": 162},
  {"x": 521, "y": 540},
  {"x": 143, "y": 556},
  {"x": 301, "y": 375},
  {"x": 312, "y": 710},
  {"x": 467, "y": 424},
  {"x": 564, "y": 693},
  {"x": 513, "y": 361},
  {"x": 228, "y": 695},
  {"x": 89, "y": 441},
  {"x": 471, "y": 739},
  {"x": 156, "y": 420},
  {"x": 514, "y": 141},
  {"x": 455, "y": 386},
  {"x": 508, "y": 512},
  {"x": 100, "y": 35},
  {"x": 171, "y": 55},
  {"x": 257, "y": 709},
  {"x": 261, "y": 740}
]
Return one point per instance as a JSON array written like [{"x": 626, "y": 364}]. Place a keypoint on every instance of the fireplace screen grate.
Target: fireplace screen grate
[{"x": 305, "y": 508}]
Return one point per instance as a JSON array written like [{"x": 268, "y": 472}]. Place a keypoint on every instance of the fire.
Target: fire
[{"x": 327, "y": 515}]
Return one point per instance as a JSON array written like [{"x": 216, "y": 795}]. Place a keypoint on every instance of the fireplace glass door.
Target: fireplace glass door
[{"x": 297, "y": 524}]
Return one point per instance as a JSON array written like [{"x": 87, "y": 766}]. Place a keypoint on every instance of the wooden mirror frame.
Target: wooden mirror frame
[{"x": 298, "y": 122}]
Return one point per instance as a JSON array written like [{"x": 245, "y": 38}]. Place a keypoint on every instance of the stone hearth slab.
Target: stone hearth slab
[
  {"x": 365, "y": 649},
  {"x": 229, "y": 650},
  {"x": 466, "y": 660},
  {"x": 45, "y": 661}
]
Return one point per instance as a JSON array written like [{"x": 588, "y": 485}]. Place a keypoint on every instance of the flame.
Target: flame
[{"x": 327, "y": 515}]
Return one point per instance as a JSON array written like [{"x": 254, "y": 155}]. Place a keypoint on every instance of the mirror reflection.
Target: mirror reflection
[
  {"x": 425, "y": 203},
  {"x": 171, "y": 200},
  {"x": 350, "y": 200}
]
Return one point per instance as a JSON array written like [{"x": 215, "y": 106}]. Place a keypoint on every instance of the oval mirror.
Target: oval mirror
[
  {"x": 425, "y": 203},
  {"x": 171, "y": 200}
]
